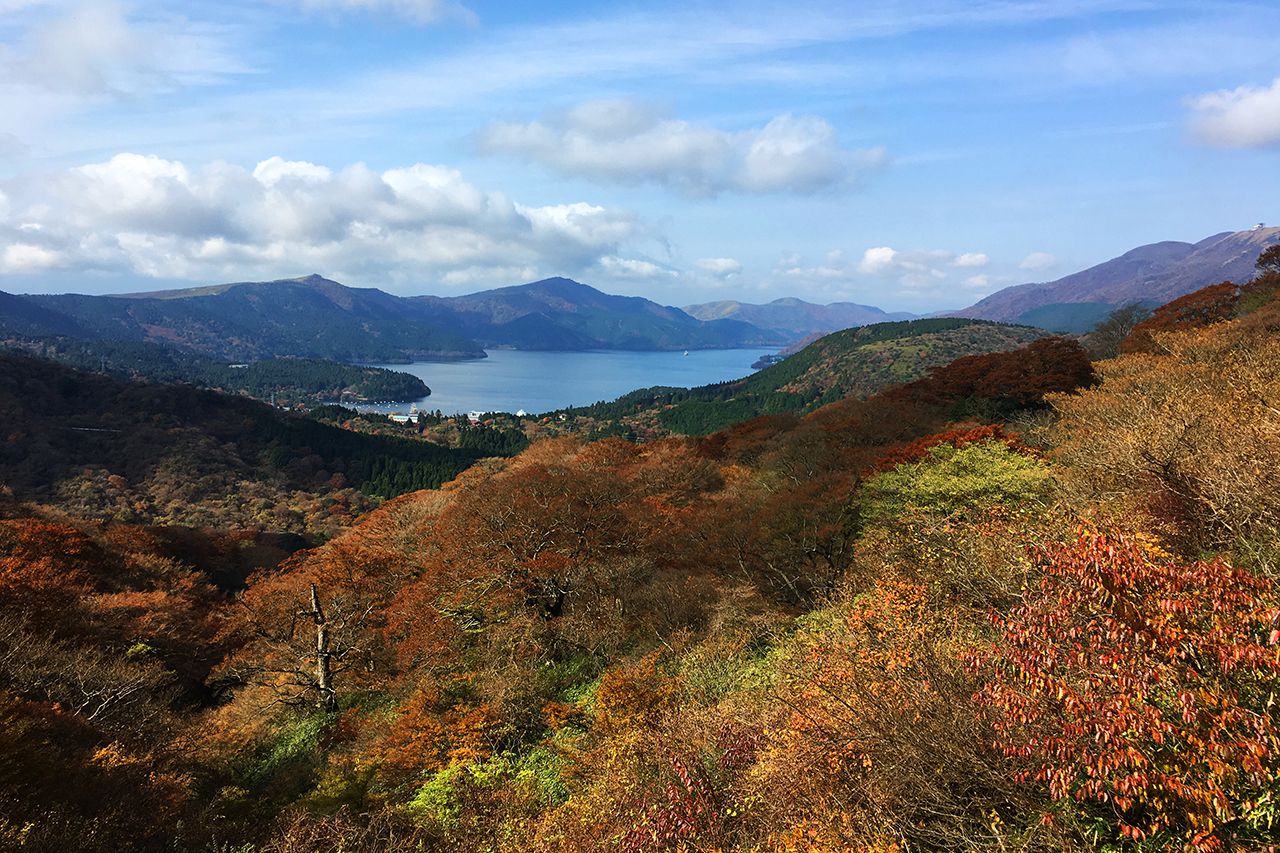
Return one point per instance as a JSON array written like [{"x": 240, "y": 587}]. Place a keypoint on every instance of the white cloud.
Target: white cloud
[
  {"x": 971, "y": 260},
  {"x": 143, "y": 215},
  {"x": 98, "y": 48},
  {"x": 273, "y": 170},
  {"x": 977, "y": 282},
  {"x": 24, "y": 257},
  {"x": 417, "y": 11},
  {"x": 66, "y": 59},
  {"x": 911, "y": 269},
  {"x": 625, "y": 142},
  {"x": 719, "y": 267},
  {"x": 632, "y": 268},
  {"x": 1037, "y": 261},
  {"x": 915, "y": 273},
  {"x": 877, "y": 260},
  {"x": 1247, "y": 117}
]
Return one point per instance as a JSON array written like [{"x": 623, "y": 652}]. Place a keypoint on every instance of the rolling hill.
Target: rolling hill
[
  {"x": 287, "y": 381},
  {"x": 105, "y": 447},
  {"x": 851, "y": 363},
  {"x": 1151, "y": 274}
]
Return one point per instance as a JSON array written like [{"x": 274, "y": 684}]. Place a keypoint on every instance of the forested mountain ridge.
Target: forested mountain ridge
[
  {"x": 854, "y": 362},
  {"x": 103, "y": 447},
  {"x": 562, "y": 314},
  {"x": 287, "y": 381},
  {"x": 315, "y": 317},
  {"x": 309, "y": 317}
]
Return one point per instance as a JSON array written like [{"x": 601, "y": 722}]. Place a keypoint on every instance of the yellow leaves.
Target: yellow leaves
[
  {"x": 633, "y": 695},
  {"x": 1180, "y": 437},
  {"x": 1150, "y": 545},
  {"x": 113, "y": 757}
]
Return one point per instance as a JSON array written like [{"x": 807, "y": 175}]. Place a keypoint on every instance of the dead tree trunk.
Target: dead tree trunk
[{"x": 324, "y": 671}]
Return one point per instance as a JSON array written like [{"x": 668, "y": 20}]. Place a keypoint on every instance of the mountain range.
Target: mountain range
[
  {"x": 796, "y": 318},
  {"x": 1153, "y": 274},
  {"x": 315, "y": 317},
  {"x": 562, "y": 314},
  {"x": 319, "y": 318}
]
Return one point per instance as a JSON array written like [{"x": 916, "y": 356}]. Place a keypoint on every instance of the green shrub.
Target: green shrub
[{"x": 951, "y": 481}]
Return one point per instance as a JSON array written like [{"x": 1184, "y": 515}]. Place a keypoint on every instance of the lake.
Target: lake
[{"x": 511, "y": 380}]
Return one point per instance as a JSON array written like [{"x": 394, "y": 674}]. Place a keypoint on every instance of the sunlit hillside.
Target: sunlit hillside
[{"x": 1026, "y": 602}]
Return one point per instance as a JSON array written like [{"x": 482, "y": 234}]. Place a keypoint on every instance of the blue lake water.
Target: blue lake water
[{"x": 511, "y": 380}]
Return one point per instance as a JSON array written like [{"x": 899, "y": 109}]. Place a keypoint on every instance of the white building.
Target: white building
[{"x": 411, "y": 418}]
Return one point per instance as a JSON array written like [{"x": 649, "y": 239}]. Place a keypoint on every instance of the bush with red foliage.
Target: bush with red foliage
[
  {"x": 1142, "y": 688},
  {"x": 1020, "y": 378},
  {"x": 1204, "y": 307},
  {"x": 745, "y": 441},
  {"x": 957, "y": 438}
]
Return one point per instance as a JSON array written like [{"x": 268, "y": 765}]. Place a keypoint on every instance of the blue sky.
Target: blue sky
[{"x": 908, "y": 155}]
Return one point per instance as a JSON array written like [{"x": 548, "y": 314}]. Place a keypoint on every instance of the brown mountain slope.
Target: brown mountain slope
[{"x": 1155, "y": 273}]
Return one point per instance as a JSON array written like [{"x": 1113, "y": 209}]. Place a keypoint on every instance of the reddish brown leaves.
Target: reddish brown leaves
[
  {"x": 1204, "y": 307},
  {"x": 1141, "y": 685},
  {"x": 957, "y": 438},
  {"x": 1022, "y": 377}
]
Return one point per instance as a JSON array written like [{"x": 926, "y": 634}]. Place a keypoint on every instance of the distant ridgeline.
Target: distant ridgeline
[
  {"x": 1148, "y": 276},
  {"x": 311, "y": 317},
  {"x": 289, "y": 380},
  {"x": 314, "y": 317},
  {"x": 854, "y": 362}
]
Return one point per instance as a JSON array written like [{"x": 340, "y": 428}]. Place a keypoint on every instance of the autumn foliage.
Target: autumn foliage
[
  {"x": 957, "y": 438},
  {"x": 1009, "y": 379},
  {"x": 1026, "y": 603},
  {"x": 1203, "y": 307},
  {"x": 1143, "y": 687}
]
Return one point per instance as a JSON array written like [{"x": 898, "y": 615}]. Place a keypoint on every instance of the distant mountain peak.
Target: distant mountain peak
[
  {"x": 559, "y": 286},
  {"x": 314, "y": 278},
  {"x": 794, "y": 317},
  {"x": 1155, "y": 273}
]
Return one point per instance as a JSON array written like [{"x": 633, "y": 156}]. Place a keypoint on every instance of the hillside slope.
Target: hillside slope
[
  {"x": 310, "y": 317},
  {"x": 287, "y": 381},
  {"x": 852, "y": 363},
  {"x": 103, "y": 447},
  {"x": 1153, "y": 274}
]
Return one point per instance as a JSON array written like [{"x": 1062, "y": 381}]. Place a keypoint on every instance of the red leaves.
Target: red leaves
[
  {"x": 957, "y": 438},
  {"x": 685, "y": 810},
  {"x": 1022, "y": 377},
  {"x": 1133, "y": 681},
  {"x": 1206, "y": 306}
]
